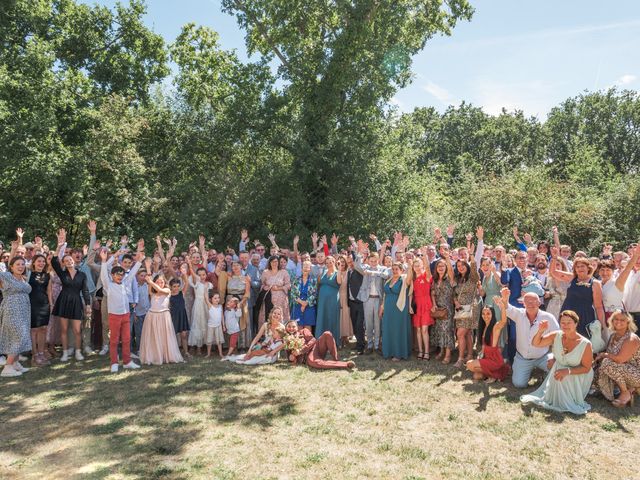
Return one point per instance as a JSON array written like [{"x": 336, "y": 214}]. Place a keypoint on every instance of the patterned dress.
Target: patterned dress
[
  {"x": 466, "y": 293},
  {"x": 15, "y": 315},
  {"x": 346, "y": 329},
  {"x": 53, "y": 329},
  {"x": 443, "y": 332},
  {"x": 609, "y": 374}
]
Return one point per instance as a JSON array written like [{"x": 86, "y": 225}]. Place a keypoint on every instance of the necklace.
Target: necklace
[{"x": 566, "y": 348}]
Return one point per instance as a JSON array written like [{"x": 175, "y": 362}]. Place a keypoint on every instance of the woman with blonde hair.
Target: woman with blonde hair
[{"x": 619, "y": 365}]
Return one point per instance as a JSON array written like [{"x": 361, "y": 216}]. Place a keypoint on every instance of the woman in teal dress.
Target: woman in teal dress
[
  {"x": 328, "y": 311},
  {"x": 396, "y": 323},
  {"x": 569, "y": 380}
]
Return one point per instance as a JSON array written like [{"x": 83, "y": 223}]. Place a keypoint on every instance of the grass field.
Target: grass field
[{"x": 212, "y": 420}]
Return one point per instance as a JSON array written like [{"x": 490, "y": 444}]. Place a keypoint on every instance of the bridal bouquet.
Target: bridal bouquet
[{"x": 294, "y": 343}]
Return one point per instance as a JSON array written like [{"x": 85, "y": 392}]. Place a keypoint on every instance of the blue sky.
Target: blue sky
[{"x": 518, "y": 55}]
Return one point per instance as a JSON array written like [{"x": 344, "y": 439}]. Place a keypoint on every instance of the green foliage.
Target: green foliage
[{"x": 300, "y": 139}]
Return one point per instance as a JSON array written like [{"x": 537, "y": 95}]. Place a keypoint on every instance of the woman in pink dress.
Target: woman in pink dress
[
  {"x": 158, "y": 343},
  {"x": 420, "y": 306},
  {"x": 276, "y": 283}
]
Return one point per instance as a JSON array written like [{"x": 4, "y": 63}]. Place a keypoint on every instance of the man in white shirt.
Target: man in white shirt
[
  {"x": 117, "y": 286},
  {"x": 528, "y": 357},
  {"x": 631, "y": 295}
]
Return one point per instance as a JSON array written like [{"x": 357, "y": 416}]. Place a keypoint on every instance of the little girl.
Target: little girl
[
  {"x": 231, "y": 324},
  {"x": 179, "y": 314},
  {"x": 158, "y": 343},
  {"x": 214, "y": 324},
  {"x": 199, "y": 312}
]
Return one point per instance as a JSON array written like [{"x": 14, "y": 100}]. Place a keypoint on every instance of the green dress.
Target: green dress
[
  {"x": 396, "y": 324},
  {"x": 328, "y": 311},
  {"x": 565, "y": 395}
]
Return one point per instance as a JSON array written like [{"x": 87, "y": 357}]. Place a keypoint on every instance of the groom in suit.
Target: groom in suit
[
  {"x": 512, "y": 279},
  {"x": 356, "y": 306}
]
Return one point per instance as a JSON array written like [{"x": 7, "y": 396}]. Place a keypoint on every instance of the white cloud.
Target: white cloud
[
  {"x": 533, "y": 98},
  {"x": 440, "y": 93},
  {"x": 626, "y": 79}
]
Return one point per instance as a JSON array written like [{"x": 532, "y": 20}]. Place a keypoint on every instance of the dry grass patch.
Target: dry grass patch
[{"x": 211, "y": 420}]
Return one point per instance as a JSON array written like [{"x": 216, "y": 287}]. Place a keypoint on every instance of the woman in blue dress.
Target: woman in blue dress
[
  {"x": 584, "y": 295},
  {"x": 396, "y": 323},
  {"x": 328, "y": 315},
  {"x": 303, "y": 296}
]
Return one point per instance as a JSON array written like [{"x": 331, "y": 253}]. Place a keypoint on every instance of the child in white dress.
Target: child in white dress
[{"x": 214, "y": 324}]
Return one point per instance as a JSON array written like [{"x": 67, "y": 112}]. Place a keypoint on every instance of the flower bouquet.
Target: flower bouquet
[{"x": 294, "y": 343}]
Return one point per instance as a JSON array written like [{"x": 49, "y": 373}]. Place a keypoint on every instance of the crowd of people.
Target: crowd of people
[{"x": 498, "y": 312}]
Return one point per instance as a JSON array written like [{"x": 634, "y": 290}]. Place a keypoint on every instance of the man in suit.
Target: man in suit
[
  {"x": 356, "y": 307},
  {"x": 371, "y": 291},
  {"x": 512, "y": 279}
]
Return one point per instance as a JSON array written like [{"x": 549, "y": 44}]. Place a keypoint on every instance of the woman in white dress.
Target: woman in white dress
[
  {"x": 557, "y": 289},
  {"x": 612, "y": 287},
  {"x": 199, "y": 312}
]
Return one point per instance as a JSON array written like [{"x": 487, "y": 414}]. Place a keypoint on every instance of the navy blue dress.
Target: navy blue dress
[
  {"x": 580, "y": 300},
  {"x": 178, "y": 313}
]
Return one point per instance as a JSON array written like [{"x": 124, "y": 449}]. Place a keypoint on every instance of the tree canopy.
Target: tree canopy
[{"x": 301, "y": 138}]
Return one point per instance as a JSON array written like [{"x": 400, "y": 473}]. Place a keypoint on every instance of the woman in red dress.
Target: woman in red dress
[
  {"x": 492, "y": 366},
  {"x": 420, "y": 306}
]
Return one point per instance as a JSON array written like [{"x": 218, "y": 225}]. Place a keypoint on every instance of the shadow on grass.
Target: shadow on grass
[{"x": 126, "y": 420}]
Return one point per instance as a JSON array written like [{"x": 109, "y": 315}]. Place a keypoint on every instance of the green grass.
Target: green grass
[{"x": 212, "y": 420}]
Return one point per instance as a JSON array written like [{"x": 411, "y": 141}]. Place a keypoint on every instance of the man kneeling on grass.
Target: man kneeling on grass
[
  {"x": 302, "y": 347},
  {"x": 116, "y": 286}
]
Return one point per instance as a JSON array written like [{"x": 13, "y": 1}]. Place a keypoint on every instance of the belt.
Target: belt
[{"x": 374, "y": 296}]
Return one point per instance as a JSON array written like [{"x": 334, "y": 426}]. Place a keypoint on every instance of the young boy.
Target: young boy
[
  {"x": 118, "y": 307},
  {"x": 231, "y": 324},
  {"x": 214, "y": 324}
]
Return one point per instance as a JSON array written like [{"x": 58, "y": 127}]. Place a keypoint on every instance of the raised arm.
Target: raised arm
[
  {"x": 622, "y": 278},
  {"x": 553, "y": 268},
  {"x": 542, "y": 339},
  {"x": 480, "y": 250}
]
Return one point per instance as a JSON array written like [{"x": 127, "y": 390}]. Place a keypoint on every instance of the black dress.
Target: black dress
[
  {"x": 40, "y": 311},
  {"x": 69, "y": 303},
  {"x": 178, "y": 313}
]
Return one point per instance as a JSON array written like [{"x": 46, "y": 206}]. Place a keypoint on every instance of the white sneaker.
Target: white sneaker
[
  {"x": 22, "y": 358},
  {"x": 64, "y": 357},
  {"x": 114, "y": 368},
  {"x": 9, "y": 371},
  {"x": 3, "y": 360},
  {"x": 18, "y": 366},
  {"x": 88, "y": 350},
  {"x": 225, "y": 358},
  {"x": 104, "y": 350},
  {"x": 79, "y": 356},
  {"x": 70, "y": 351},
  {"x": 131, "y": 365},
  {"x": 134, "y": 356}
]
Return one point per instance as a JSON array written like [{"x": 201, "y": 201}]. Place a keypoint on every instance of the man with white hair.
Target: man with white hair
[{"x": 527, "y": 321}]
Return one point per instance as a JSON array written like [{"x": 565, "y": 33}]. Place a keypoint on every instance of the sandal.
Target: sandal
[
  {"x": 420, "y": 356},
  {"x": 447, "y": 360},
  {"x": 425, "y": 356},
  {"x": 459, "y": 363}
]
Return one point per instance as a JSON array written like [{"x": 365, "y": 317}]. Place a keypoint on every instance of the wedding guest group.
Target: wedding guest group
[{"x": 496, "y": 313}]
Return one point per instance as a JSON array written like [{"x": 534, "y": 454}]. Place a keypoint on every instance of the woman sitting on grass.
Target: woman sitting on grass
[{"x": 266, "y": 345}]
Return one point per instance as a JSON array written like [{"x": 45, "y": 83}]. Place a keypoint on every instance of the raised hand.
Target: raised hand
[
  {"x": 469, "y": 236},
  {"x": 201, "y": 240},
  {"x": 314, "y": 238},
  {"x": 554, "y": 230},
  {"x": 62, "y": 236},
  {"x": 272, "y": 238},
  {"x": 405, "y": 241},
  {"x": 352, "y": 239},
  {"x": 373, "y": 237},
  {"x": 19, "y": 233},
  {"x": 334, "y": 239},
  {"x": 554, "y": 252},
  {"x": 324, "y": 239},
  {"x": 147, "y": 266},
  {"x": 109, "y": 243},
  {"x": 91, "y": 225},
  {"x": 167, "y": 241},
  {"x": 296, "y": 239},
  {"x": 544, "y": 324},
  {"x": 527, "y": 239},
  {"x": 437, "y": 232},
  {"x": 480, "y": 233},
  {"x": 104, "y": 254}
]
